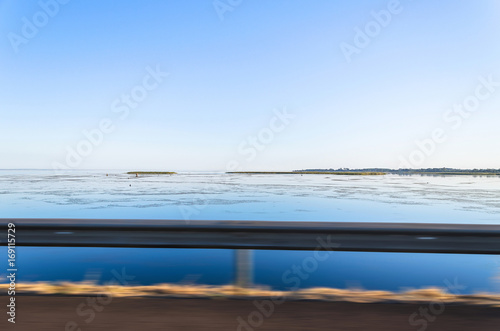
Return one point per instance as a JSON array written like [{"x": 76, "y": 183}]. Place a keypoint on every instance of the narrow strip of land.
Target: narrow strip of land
[
  {"x": 151, "y": 173},
  {"x": 344, "y": 173}
]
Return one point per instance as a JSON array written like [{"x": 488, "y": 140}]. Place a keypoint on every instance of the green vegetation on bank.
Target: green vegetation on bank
[
  {"x": 351, "y": 173},
  {"x": 151, "y": 173},
  {"x": 426, "y": 171}
]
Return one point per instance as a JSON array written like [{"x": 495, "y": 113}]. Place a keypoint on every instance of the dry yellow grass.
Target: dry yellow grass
[{"x": 230, "y": 291}]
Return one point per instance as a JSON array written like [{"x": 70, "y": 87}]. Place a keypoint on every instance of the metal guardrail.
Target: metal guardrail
[{"x": 272, "y": 235}]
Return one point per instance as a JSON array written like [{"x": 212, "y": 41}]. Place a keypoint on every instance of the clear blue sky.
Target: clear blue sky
[{"x": 228, "y": 77}]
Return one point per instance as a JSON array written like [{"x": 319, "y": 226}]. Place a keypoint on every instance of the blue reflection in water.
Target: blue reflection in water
[{"x": 280, "y": 270}]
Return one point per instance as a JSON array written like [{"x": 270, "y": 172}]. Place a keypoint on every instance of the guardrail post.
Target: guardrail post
[{"x": 244, "y": 267}]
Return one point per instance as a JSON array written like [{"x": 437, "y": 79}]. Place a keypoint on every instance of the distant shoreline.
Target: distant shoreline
[
  {"x": 423, "y": 171},
  {"x": 348, "y": 172},
  {"x": 451, "y": 173}
]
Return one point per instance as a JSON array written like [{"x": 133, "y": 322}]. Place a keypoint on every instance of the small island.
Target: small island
[{"x": 151, "y": 173}]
